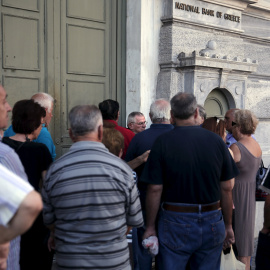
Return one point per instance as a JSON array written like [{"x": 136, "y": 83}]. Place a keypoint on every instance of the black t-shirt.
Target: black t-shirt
[
  {"x": 189, "y": 162},
  {"x": 35, "y": 158}
]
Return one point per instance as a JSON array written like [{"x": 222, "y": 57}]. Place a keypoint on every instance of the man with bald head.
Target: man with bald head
[
  {"x": 229, "y": 118},
  {"x": 143, "y": 141}
]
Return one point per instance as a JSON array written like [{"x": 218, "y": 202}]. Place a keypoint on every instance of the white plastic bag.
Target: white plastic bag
[
  {"x": 151, "y": 243},
  {"x": 229, "y": 262}
]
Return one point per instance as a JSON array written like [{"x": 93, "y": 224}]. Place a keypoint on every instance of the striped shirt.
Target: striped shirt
[
  {"x": 90, "y": 196},
  {"x": 10, "y": 160}
]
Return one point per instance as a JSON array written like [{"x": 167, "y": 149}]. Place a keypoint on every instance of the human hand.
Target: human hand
[
  {"x": 149, "y": 232},
  {"x": 265, "y": 230},
  {"x": 229, "y": 238},
  {"x": 4, "y": 249},
  {"x": 145, "y": 156},
  {"x": 51, "y": 242}
]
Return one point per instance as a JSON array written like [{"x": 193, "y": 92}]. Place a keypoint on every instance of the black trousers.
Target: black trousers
[{"x": 263, "y": 252}]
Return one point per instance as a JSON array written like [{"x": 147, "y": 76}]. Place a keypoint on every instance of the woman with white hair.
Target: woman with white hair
[{"x": 247, "y": 155}]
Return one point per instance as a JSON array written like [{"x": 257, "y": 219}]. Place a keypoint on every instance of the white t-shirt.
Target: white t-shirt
[{"x": 13, "y": 190}]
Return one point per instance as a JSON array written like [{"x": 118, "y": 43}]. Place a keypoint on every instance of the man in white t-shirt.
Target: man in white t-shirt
[{"x": 19, "y": 205}]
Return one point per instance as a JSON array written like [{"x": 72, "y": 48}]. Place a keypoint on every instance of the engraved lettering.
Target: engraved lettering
[
  {"x": 187, "y": 7},
  {"x": 232, "y": 18},
  {"x": 208, "y": 12}
]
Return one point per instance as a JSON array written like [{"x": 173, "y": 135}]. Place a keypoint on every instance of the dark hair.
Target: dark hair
[
  {"x": 109, "y": 109},
  {"x": 26, "y": 116},
  {"x": 113, "y": 140},
  {"x": 183, "y": 105},
  {"x": 210, "y": 124},
  {"x": 221, "y": 127}
]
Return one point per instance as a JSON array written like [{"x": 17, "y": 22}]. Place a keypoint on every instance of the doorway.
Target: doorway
[{"x": 218, "y": 102}]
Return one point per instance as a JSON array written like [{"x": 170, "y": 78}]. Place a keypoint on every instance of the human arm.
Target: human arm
[
  {"x": 236, "y": 152},
  {"x": 266, "y": 224},
  {"x": 152, "y": 203},
  {"x": 227, "y": 206},
  {"x": 23, "y": 218},
  {"x": 136, "y": 162},
  {"x": 46, "y": 138},
  {"x": 4, "y": 249}
]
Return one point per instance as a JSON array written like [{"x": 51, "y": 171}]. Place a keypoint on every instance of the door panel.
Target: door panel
[
  {"x": 216, "y": 104},
  {"x": 70, "y": 49},
  {"x": 86, "y": 58},
  {"x": 22, "y": 48}
]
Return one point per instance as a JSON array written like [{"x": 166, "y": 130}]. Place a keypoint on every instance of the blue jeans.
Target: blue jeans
[
  {"x": 141, "y": 257},
  {"x": 195, "y": 236}
]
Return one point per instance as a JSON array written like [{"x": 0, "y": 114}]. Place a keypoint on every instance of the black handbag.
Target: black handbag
[{"x": 261, "y": 173}]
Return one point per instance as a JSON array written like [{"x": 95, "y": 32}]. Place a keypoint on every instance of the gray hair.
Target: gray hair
[
  {"x": 183, "y": 105},
  {"x": 202, "y": 111},
  {"x": 160, "y": 111},
  {"x": 44, "y": 100},
  {"x": 132, "y": 115},
  {"x": 84, "y": 119}
]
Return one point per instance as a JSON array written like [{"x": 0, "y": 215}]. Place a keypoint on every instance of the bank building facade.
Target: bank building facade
[{"x": 134, "y": 51}]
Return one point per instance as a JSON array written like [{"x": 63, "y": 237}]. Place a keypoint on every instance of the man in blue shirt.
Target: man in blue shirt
[
  {"x": 46, "y": 101},
  {"x": 229, "y": 117},
  {"x": 143, "y": 141}
]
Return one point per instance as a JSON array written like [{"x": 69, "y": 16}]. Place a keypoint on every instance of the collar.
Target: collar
[
  {"x": 111, "y": 121},
  {"x": 161, "y": 126},
  {"x": 87, "y": 144}
]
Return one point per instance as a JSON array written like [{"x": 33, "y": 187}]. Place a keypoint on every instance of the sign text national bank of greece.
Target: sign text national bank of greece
[{"x": 207, "y": 12}]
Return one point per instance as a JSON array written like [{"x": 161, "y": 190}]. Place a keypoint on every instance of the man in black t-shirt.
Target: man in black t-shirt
[{"x": 191, "y": 173}]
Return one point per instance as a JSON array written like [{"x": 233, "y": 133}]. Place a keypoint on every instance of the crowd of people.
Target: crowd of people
[{"x": 189, "y": 180}]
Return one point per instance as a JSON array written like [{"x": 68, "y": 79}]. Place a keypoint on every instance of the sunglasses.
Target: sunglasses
[{"x": 233, "y": 124}]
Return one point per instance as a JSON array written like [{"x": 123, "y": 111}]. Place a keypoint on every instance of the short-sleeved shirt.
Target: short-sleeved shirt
[
  {"x": 142, "y": 142},
  {"x": 231, "y": 140},
  {"x": 43, "y": 137},
  {"x": 13, "y": 191},
  {"x": 10, "y": 160},
  {"x": 90, "y": 196},
  {"x": 189, "y": 162}
]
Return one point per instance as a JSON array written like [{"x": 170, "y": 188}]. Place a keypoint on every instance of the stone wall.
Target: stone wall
[{"x": 219, "y": 53}]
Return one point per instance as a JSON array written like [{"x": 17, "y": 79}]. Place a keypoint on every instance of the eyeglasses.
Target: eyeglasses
[
  {"x": 233, "y": 124},
  {"x": 140, "y": 123}
]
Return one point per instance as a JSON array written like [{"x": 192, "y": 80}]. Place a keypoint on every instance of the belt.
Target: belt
[{"x": 192, "y": 208}]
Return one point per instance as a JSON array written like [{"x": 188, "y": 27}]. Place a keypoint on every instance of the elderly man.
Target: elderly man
[
  {"x": 229, "y": 117},
  {"x": 90, "y": 198},
  {"x": 136, "y": 122},
  {"x": 193, "y": 170},
  {"x": 11, "y": 161},
  {"x": 160, "y": 117},
  {"x": 45, "y": 101},
  {"x": 110, "y": 114}
]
